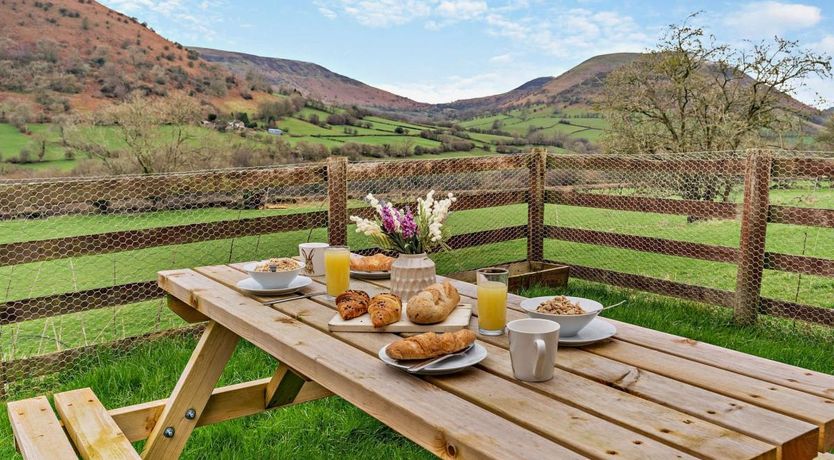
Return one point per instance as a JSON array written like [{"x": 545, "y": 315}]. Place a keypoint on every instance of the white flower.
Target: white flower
[
  {"x": 374, "y": 202},
  {"x": 365, "y": 226}
]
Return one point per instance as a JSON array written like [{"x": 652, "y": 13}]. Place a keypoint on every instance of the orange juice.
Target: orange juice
[
  {"x": 492, "y": 305},
  {"x": 337, "y": 270}
]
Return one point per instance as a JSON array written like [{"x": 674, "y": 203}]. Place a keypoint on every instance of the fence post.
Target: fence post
[
  {"x": 535, "y": 205},
  {"x": 337, "y": 201},
  {"x": 751, "y": 248}
]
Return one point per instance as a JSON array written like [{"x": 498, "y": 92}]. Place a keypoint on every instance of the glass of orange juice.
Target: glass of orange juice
[
  {"x": 336, "y": 270},
  {"x": 492, "y": 300}
]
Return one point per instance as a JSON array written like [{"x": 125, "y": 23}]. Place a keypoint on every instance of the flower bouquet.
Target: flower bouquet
[
  {"x": 411, "y": 234},
  {"x": 403, "y": 231}
]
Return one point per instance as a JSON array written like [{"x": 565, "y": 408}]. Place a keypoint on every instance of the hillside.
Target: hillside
[
  {"x": 63, "y": 55},
  {"x": 311, "y": 80},
  {"x": 579, "y": 86}
]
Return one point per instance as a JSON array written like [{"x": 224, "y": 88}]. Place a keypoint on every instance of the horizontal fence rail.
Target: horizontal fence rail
[
  {"x": 38, "y": 200},
  {"x": 41, "y": 195},
  {"x": 581, "y": 195},
  {"x": 528, "y": 185}
]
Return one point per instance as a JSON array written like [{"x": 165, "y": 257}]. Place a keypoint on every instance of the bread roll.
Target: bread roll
[
  {"x": 352, "y": 304},
  {"x": 430, "y": 345},
  {"x": 375, "y": 263},
  {"x": 385, "y": 309},
  {"x": 433, "y": 304}
]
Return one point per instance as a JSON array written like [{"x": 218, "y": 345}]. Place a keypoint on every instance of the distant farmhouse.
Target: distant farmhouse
[{"x": 275, "y": 131}]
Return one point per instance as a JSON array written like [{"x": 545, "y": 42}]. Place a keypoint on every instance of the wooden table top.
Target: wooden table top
[{"x": 643, "y": 394}]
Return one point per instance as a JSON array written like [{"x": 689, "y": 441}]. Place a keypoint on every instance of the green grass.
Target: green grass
[
  {"x": 327, "y": 428},
  {"x": 12, "y": 141},
  {"x": 320, "y": 429},
  {"x": 545, "y": 120},
  {"x": 333, "y": 428}
]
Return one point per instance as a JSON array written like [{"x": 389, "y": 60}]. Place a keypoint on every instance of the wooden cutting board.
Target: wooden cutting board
[{"x": 458, "y": 319}]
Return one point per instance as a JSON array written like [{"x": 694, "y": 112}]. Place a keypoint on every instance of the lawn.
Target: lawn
[
  {"x": 331, "y": 427},
  {"x": 88, "y": 272},
  {"x": 319, "y": 429}
]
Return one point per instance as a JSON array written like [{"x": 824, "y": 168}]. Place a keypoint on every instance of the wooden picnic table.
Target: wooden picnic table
[{"x": 642, "y": 394}]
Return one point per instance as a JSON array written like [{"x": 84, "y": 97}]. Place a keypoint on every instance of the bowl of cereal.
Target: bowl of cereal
[
  {"x": 572, "y": 313},
  {"x": 274, "y": 273}
]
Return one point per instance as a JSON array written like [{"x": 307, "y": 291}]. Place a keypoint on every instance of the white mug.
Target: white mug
[
  {"x": 312, "y": 256},
  {"x": 533, "y": 345}
]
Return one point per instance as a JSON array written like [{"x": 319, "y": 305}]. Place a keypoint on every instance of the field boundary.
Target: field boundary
[{"x": 337, "y": 185}]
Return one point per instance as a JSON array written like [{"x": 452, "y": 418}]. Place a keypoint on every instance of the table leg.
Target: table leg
[
  {"x": 187, "y": 401},
  {"x": 284, "y": 386}
]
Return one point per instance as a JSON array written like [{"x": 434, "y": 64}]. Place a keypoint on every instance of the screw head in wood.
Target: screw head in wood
[
  {"x": 190, "y": 414},
  {"x": 169, "y": 432}
]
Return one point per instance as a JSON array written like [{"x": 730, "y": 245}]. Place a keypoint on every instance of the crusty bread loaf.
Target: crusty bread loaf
[
  {"x": 352, "y": 304},
  {"x": 375, "y": 263},
  {"x": 433, "y": 304},
  {"x": 430, "y": 345},
  {"x": 385, "y": 309}
]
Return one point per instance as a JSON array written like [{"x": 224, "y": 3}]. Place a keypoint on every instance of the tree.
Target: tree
[
  {"x": 693, "y": 94},
  {"x": 826, "y": 136},
  {"x": 139, "y": 122}
]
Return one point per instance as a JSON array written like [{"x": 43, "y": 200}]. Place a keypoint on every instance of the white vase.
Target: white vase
[{"x": 410, "y": 274}]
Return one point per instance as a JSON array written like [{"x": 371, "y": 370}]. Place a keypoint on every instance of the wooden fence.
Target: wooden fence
[
  {"x": 755, "y": 212},
  {"x": 38, "y": 198}
]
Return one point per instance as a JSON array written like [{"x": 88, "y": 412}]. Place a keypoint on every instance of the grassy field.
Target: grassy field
[
  {"x": 319, "y": 429},
  {"x": 298, "y": 130},
  {"x": 332, "y": 427},
  {"x": 88, "y": 272}
]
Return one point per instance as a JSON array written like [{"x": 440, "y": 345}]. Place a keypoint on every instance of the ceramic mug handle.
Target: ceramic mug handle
[{"x": 541, "y": 353}]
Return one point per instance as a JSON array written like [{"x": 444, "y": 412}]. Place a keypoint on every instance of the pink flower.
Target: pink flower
[{"x": 408, "y": 225}]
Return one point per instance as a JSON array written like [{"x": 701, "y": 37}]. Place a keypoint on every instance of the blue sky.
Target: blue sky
[{"x": 441, "y": 50}]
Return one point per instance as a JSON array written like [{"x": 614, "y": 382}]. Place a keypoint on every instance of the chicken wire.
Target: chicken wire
[
  {"x": 487, "y": 223},
  {"x": 80, "y": 256},
  {"x": 673, "y": 225}
]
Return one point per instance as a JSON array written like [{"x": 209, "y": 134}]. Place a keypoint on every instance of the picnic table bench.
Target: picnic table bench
[{"x": 642, "y": 394}]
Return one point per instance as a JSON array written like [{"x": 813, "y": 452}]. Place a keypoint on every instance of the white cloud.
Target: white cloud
[
  {"x": 457, "y": 87},
  {"x": 501, "y": 59},
  {"x": 825, "y": 45},
  {"x": 572, "y": 33},
  {"x": 461, "y": 10},
  {"x": 759, "y": 19},
  {"x": 385, "y": 13},
  {"x": 191, "y": 26}
]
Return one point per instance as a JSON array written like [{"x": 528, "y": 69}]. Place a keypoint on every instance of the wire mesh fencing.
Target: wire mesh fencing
[
  {"x": 748, "y": 230},
  {"x": 488, "y": 222},
  {"x": 79, "y": 257}
]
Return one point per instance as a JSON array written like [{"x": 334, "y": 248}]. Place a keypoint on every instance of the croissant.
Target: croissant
[
  {"x": 433, "y": 304},
  {"x": 385, "y": 309},
  {"x": 430, "y": 345},
  {"x": 352, "y": 304},
  {"x": 375, "y": 263}
]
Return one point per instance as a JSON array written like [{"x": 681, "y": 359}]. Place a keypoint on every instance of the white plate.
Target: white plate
[
  {"x": 253, "y": 287},
  {"x": 598, "y": 330},
  {"x": 370, "y": 275},
  {"x": 449, "y": 366}
]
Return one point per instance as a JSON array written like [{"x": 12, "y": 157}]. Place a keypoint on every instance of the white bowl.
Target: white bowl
[
  {"x": 570, "y": 324},
  {"x": 272, "y": 280}
]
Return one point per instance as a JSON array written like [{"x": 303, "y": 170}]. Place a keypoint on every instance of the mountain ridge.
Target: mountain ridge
[{"x": 310, "y": 79}]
